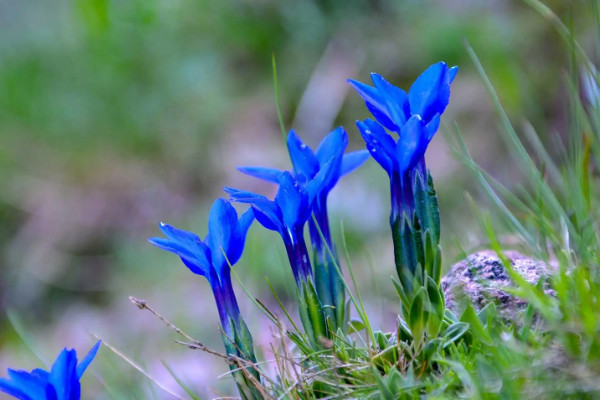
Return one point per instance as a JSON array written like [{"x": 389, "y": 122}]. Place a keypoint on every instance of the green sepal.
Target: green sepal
[
  {"x": 330, "y": 288},
  {"x": 438, "y": 306},
  {"x": 432, "y": 257},
  {"x": 312, "y": 314},
  {"x": 426, "y": 205},
  {"x": 241, "y": 346},
  {"x": 477, "y": 329},
  {"x": 408, "y": 252},
  {"x": 436, "y": 268},
  {"x": 323, "y": 285},
  {"x": 453, "y": 333},
  {"x": 243, "y": 340},
  {"x": 433, "y": 209},
  {"x": 405, "y": 302}
]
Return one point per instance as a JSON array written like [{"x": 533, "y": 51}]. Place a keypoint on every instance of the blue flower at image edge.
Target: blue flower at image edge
[{"x": 61, "y": 383}]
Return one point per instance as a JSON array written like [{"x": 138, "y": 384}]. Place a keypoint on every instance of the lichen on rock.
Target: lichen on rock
[{"x": 480, "y": 277}]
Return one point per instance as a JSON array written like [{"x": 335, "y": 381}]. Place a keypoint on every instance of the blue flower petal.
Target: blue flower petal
[
  {"x": 452, "y": 72},
  {"x": 63, "y": 376},
  {"x": 24, "y": 385},
  {"x": 376, "y": 103},
  {"x": 180, "y": 239},
  {"x": 353, "y": 160},
  {"x": 412, "y": 144},
  {"x": 265, "y": 210},
  {"x": 292, "y": 199},
  {"x": 333, "y": 145},
  {"x": 173, "y": 247},
  {"x": 61, "y": 383},
  {"x": 370, "y": 95},
  {"x": 382, "y": 118},
  {"x": 222, "y": 222},
  {"x": 266, "y": 174},
  {"x": 303, "y": 158},
  {"x": 187, "y": 245},
  {"x": 430, "y": 93},
  {"x": 51, "y": 393},
  {"x": 40, "y": 374},
  {"x": 269, "y": 217},
  {"x": 432, "y": 127},
  {"x": 243, "y": 196},
  {"x": 380, "y": 145},
  {"x": 195, "y": 268},
  {"x": 82, "y": 366},
  {"x": 396, "y": 99},
  {"x": 238, "y": 242},
  {"x": 331, "y": 152}
]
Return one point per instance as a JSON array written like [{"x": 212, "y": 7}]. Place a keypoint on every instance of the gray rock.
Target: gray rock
[{"x": 480, "y": 277}]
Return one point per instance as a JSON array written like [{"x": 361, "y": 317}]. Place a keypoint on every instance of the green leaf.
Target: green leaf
[
  {"x": 404, "y": 333},
  {"x": 403, "y": 297},
  {"x": 436, "y": 301},
  {"x": 356, "y": 325},
  {"x": 431, "y": 349},
  {"x": 312, "y": 315},
  {"x": 454, "y": 332},
  {"x": 477, "y": 329},
  {"x": 384, "y": 392},
  {"x": 382, "y": 341}
]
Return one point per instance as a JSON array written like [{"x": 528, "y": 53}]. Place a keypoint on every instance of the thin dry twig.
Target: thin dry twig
[
  {"x": 140, "y": 369},
  {"x": 241, "y": 364}
]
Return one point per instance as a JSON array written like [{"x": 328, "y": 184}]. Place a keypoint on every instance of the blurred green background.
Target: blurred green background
[{"x": 115, "y": 115}]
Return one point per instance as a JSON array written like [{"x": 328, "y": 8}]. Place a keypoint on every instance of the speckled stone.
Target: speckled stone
[{"x": 480, "y": 276}]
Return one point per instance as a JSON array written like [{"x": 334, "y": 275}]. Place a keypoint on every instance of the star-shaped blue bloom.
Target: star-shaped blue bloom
[
  {"x": 392, "y": 107},
  {"x": 414, "y": 116},
  {"x": 211, "y": 257},
  {"x": 287, "y": 214},
  {"x": 307, "y": 164},
  {"x": 60, "y": 383}
]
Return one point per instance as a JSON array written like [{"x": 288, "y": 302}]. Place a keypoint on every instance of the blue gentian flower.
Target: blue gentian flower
[
  {"x": 306, "y": 165},
  {"x": 428, "y": 97},
  {"x": 61, "y": 383},
  {"x": 212, "y": 257},
  {"x": 415, "y": 117},
  {"x": 287, "y": 215}
]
